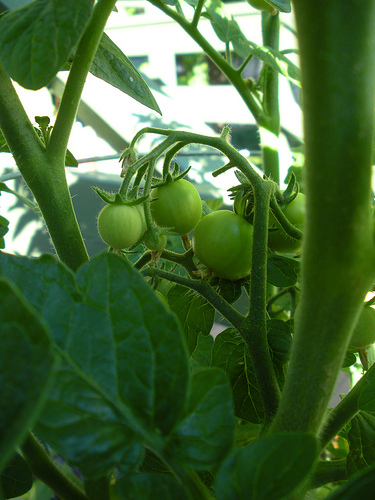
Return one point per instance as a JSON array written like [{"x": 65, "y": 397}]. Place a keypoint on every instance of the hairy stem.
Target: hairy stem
[
  {"x": 77, "y": 77},
  {"x": 338, "y": 258}
]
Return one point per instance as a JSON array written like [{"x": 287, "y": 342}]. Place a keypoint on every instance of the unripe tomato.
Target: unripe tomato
[
  {"x": 278, "y": 240},
  {"x": 177, "y": 206},
  {"x": 154, "y": 240},
  {"x": 223, "y": 241},
  {"x": 141, "y": 211},
  {"x": 262, "y": 5},
  {"x": 120, "y": 226},
  {"x": 364, "y": 331}
]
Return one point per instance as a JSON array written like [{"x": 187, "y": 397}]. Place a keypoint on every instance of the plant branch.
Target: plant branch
[
  {"x": 83, "y": 58},
  {"x": 45, "y": 178},
  {"x": 330, "y": 471},
  {"x": 44, "y": 469},
  {"x": 204, "y": 289},
  {"x": 231, "y": 73},
  {"x": 254, "y": 330}
]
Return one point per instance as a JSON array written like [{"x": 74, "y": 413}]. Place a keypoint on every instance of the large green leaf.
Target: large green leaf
[
  {"x": 37, "y": 39},
  {"x": 194, "y": 312},
  {"x": 206, "y": 432},
  {"x": 124, "y": 375},
  {"x": 26, "y": 368},
  {"x": 111, "y": 65},
  {"x": 282, "y": 271},
  {"x": 268, "y": 469},
  {"x": 361, "y": 485}
]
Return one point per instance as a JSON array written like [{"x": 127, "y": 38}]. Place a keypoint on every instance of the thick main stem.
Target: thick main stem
[
  {"x": 338, "y": 81},
  {"x": 46, "y": 179}
]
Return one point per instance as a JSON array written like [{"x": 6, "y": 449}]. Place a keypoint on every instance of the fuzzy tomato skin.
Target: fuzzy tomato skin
[
  {"x": 223, "y": 241},
  {"x": 364, "y": 332},
  {"x": 120, "y": 226},
  {"x": 278, "y": 240},
  {"x": 177, "y": 206}
]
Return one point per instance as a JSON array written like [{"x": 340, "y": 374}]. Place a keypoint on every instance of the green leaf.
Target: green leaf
[
  {"x": 282, "y": 271},
  {"x": 281, "y": 5},
  {"x": 124, "y": 375},
  {"x": 268, "y": 469},
  {"x": 361, "y": 485},
  {"x": 366, "y": 400},
  {"x": 26, "y": 367},
  {"x": 228, "y": 31},
  {"x": 194, "y": 312},
  {"x": 201, "y": 356},
  {"x": 37, "y": 39},
  {"x": 150, "y": 486},
  {"x": 361, "y": 437},
  {"x": 16, "y": 478},
  {"x": 111, "y": 65},
  {"x": 206, "y": 433},
  {"x": 230, "y": 354},
  {"x": 32, "y": 205}
]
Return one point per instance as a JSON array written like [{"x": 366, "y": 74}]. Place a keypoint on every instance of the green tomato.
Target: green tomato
[
  {"x": 141, "y": 211},
  {"x": 177, "y": 206},
  {"x": 262, "y": 5},
  {"x": 364, "y": 332},
  {"x": 223, "y": 242},
  {"x": 278, "y": 240},
  {"x": 120, "y": 226},
  {"x": 154, "y": 240}
]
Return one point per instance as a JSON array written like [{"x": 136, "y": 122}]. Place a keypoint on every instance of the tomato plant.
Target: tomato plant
[
  {"x": 177, "y": 205},
  {"x": 120, "y": 226},
  {"x": 278, "y": 240},
  {"x": 223, "y": 241},
  {"x": 149, "y": 402}
]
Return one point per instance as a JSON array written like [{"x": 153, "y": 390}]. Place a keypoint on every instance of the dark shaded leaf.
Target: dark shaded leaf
[
  {"x": 196, "y": 315},
  {"x": 26, "y": 368},
  {"x": 16, "y": 478},
  {"x": 206, "y": 433},
  {"x": 150, "y": 486},
  {"x": 282, "y": 271},
  {"x": 268, "y": 469}
]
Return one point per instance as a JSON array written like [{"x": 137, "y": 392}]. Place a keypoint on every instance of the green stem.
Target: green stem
[
  {"x": 270, "y": 131},
  {"x": 83, "y": 58},
  {"x": 338, "y": 261},
  {"x": 254, "y": 330},
  {"x": 204, "y": 289},
  {"x": 44, "y": 469},
  {"x": 231, "y": 73},
  {"x": 291, "y": 230},
  {"x": 46, "y": 179},
  {"x": 344, "y": 411}
]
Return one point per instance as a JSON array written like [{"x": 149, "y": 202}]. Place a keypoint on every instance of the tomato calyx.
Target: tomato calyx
[{"x": 171, "y": 177}]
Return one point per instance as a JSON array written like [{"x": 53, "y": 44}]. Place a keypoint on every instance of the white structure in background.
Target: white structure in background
[{"x": 152, "y": 37}]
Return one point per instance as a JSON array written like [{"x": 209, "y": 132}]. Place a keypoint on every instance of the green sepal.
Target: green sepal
[
  {"x": 172, "y": 177},
  {"x": 116, "y": 198}
]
